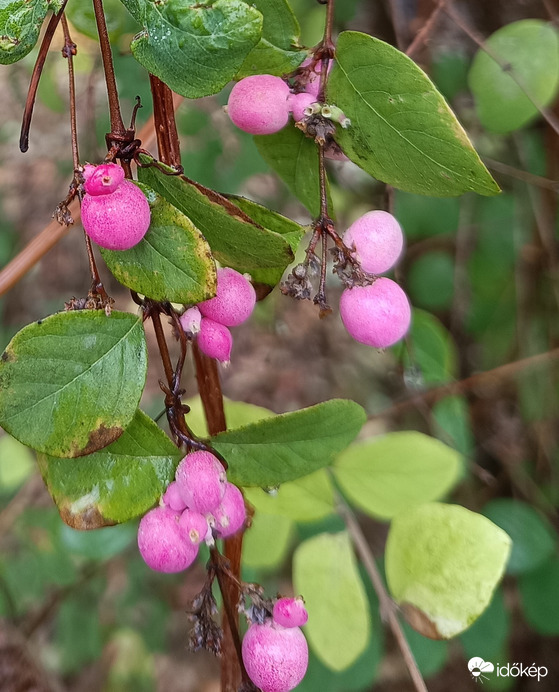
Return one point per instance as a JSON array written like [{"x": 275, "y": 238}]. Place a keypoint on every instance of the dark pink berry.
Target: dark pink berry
[
  {"x": 231, "y": 514},
  {"x": 104, "y": 179},
  {"x": 234, "y": 300},
  {"x": 258, "y": 104},
  {"x": 378, "y": 241},
  {"x": 119, "y": 220},
  {"x": 275, "y": 658},
  {"x": 290, "y": 612},
  {"x": 190, "y": 321},
  {"x": 173, "y": 499},
  {"x": 161, "y": 542},
  {"x": 298, "y": 103},
  {"x": 377, "y": 315},
  {"x": 201, "y": 481},
  {"x": 194, "y": 526},
  {"x": 215, "y": 340}
]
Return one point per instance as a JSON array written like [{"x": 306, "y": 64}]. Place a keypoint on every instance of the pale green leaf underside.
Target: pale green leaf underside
[
  {"x": 402, "y": 130},
  {"x": 391, "y": 473},
  {"x": 325, "y": 574},
  {"x": 20, "y": 22},
  {"x": 507, "y": 100},
  {"x": 173, "y": 262},
  {"x": 443, "y": 563},
  {"x": 71, "y": 383},
  {"x": 195, "y": 48},
  {"x": 118, "y": 483},
  {"x": 266, "y": 542}
]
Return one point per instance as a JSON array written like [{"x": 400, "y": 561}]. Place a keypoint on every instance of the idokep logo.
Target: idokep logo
[{"x": 479, "y": 670}]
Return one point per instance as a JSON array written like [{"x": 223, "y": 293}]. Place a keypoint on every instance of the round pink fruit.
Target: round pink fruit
[
  {"x": 161, "y": 542},
  {"x": 298, "y": 103},
  {"x": 231, "y": 513},
  {"x": 290, "y": 612},
  {"x": 378, "y": 241},
  {"x": 194, "y": 526},
  {"x": 275, "y": 658},
  {"x": 104, "y": 179},
  {"x": 313, "y": 83},
  {"x": 172, "y": 498},
  {"x": 234, "y": 300},
  {"x": 119, "y": 220},
  {"x": 215, "y": 340},
  {"x": 190, "y": 321},
  {"x": 201, "y": 481},
  {"x": 377, "y": 315},
  {"x": 258, "y": 104}
]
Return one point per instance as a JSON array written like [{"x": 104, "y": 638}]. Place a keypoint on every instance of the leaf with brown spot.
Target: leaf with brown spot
[
  {"x": 73, "y": 382},
  {"x": 117, "y": 483}
]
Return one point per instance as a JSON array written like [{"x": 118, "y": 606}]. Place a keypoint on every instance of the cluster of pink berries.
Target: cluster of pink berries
[
  {"x": 115, "y": 212},
  {"x": 378, "y": 314},
  {"x": 210, "y": 320},
  {"x": 275, "y": 653},
  {"x": 261, "y": 104},
  {"x": 197, "y": 506}
]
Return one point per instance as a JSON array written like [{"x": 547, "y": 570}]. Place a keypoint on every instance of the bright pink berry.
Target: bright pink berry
[
  {"x": 231, "y": 513},
  {"x": 258, "y": 104},
  {"x": 190, "y": 321},
  {"x": 194, "y": 526},
  {"x": 378, "y": 241},
  {"x": 234, "y": 300},
  {"x": 119, "y": 220},
  {"x": 290, "y": 612},
  {"x": 313, "y": 83},
  {"x": 161, "y": 542},
  {"x": 298, "y": 103},
  {"x": 215, "y": 340},
  {"x": 275, "y": 658},
  {"x": 377, "y": 315},
  {"x": 201, "y": 481},
  {"x": 172, "y": 498},
  {"x": 104, "y": 179}
]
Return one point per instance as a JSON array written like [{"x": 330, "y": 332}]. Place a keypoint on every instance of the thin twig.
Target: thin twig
[
  {"x": 519, "y": 174},
  {"x": 387, "y": 606},
  {"x": 426, "y": 29}
]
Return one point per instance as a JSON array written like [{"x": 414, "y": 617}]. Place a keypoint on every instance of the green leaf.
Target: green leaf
[
  {"x": 430, "y": 655},
  {"x": 195, "y": 48},
  {"x": 402, "y": 131},
  {"x": 510, "y": 91},
  {"x": 278, "y": 51},
  {"x": 291, "y": 445},
  {"x": 424, "y": 217},
  {"x": 325, "y": 573},
  {"x": 237, "y": 414},
  {"x": 443, "y": 563},
  {"x": 430, "y": 281},
  {"x": 433, "y": 351},
  {"x": 451, "y": 416},
  {"x": 71, "y": 383},
  {"x": 489, "y": 633},
  {"x": 20, "y": 22},
  {"x": 98, "y": 545},
  {"x": 267, "y": 541},
  {"x": 235, "y": 239},
  {"x": 391, "y": 473},
  {"x": 173, "y": 262},
  {"x": 539, "y": 593},
  {"x": 16, "y": 463},
  {"x": 82, "y": 16},
  {"x": 117, "y": 483},
  {"x": 533, "y": 538},
  {"x": 306, "y": 499},
  {"x": 294, "y": 158}
]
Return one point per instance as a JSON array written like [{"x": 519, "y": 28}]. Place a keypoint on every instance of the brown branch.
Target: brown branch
[
  {"x": 166, "y": 128},
  {"x": 387, "y": 606},
  {"x": 423, "y": 34},
  {"x": 524, "y": 176}
]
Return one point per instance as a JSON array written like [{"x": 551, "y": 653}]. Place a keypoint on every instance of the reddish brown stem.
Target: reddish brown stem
[
  {"x": 166, "y": 127},
  {"x": 36, "y": 77}
]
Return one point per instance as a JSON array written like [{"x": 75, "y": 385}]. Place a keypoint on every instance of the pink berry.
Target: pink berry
[
  {"x": 104, "y": 179},
  {"x": 194, "y": 526},
  {"x": 201, "y": 481},
  {"x": 119, "y": 220},
  {"x": 173, "y": 499},
  {"x": 275, "y": 658},
  {"x": 231, "y": 513},
  {"x": 190, "y": 321},
  {"x": 258, "y": 104},
  {"x": 313, "y": 83},
  {"x": 298, "y": 103},
  {"x": 161, "y": 542},
  {"x": 234, "y": 300},
  {"x": 378, "y": 241},
  {"x": 377, "y": 315},
  {"x": 215, "y": 340},
  {"x": 290, "y": 612}
]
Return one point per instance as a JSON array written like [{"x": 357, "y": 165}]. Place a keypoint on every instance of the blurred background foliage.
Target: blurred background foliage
[{"x": 80, "y": 611}]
